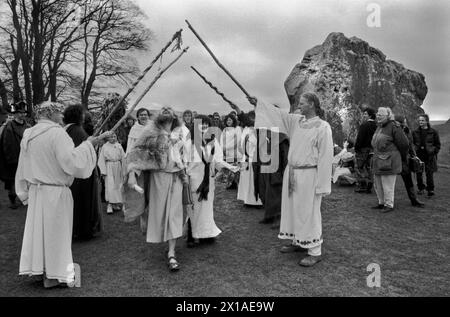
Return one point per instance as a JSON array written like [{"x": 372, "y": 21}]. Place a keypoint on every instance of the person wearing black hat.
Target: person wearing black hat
[{"x": 10, "y": 149}]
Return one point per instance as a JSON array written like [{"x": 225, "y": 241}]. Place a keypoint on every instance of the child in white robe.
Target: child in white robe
[{"x": 111, "y": 163}]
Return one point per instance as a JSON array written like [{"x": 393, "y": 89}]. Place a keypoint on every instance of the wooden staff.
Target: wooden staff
[
  {"x": 216, "y": 60},
  {"x": 158, "y": 76},
  {"x": 215, "y": 89},
  {"x": 101, "y": 124}
]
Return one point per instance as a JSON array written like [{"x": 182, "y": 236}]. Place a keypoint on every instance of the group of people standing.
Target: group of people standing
[
  {"x": 165, "y": 174},
  {"x": 386, "y": 147}
]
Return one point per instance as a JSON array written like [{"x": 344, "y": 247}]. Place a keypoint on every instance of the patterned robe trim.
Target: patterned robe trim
[{"x": 305, "y": 244}]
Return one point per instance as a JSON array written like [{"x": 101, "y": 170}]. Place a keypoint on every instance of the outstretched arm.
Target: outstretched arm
[{"x": 268, "y": 116}]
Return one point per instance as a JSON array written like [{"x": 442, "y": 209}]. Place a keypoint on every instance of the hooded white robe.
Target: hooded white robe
[{"x": 48, "y": 163}]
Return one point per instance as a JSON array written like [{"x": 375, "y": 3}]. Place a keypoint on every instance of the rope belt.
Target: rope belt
[
  {"x": 51, "y": 185},
  {"x": 291, "y": 175},
  {"x": 303, "y": 167},
  {"x": 113, "y": 160}
]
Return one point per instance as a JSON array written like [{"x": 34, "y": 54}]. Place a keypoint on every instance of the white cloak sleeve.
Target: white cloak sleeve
[
  {"x": 79, "y": 161},
  {"x": 269, "y": 116}
]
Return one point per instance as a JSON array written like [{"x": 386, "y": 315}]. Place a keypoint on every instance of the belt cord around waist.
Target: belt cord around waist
[
  {"x": 303, "y": 167},
  {"x": 51, "y": 185}
]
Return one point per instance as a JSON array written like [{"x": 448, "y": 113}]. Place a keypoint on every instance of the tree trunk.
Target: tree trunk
[
  {"x": 36, "y": 75},
  {"x": 4, "y": 97},
  {"x": 23, "y": 56}
]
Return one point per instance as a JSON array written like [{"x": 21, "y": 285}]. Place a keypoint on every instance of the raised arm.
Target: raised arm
[{"x": 269, "y": 116}]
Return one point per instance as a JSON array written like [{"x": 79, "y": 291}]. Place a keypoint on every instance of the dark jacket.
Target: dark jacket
[
  {"x": 411, "y": 151},
  {"x": 390, "y": 146},
  {"x": 87, "y": 220},
  {"x": 427, "y": 145},
  {"x": 365, "y": 135},
  {"x": 10, "y": 148}
]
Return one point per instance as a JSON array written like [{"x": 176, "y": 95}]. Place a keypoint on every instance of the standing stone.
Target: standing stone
[{"x": 348, "y": 75}]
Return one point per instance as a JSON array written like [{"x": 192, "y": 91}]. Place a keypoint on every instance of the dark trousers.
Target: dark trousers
[
  {"x": 430, "y": 180},
  {"x": 409, "y": 185},
  {"x": 363, "y": 168},
  {"x": 9, "y": 186}
]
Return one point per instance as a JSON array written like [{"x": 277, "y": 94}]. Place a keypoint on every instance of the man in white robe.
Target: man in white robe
[
  {"x": 307, "y": 177},
  {"x": 48, "y": 163}
]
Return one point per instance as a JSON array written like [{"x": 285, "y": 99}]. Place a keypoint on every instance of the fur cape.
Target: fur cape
[{"x": 151, "y": 150}]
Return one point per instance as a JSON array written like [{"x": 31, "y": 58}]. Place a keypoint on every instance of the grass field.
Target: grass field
[{"x": 412, "y": 247}]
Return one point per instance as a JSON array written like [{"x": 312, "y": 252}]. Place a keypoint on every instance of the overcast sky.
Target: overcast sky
[{"x": 260, "y": 41}]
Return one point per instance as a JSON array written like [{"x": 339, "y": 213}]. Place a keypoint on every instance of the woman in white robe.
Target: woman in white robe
[
  {"x": 247, "y": 148},
  {"x": 229, "y": 142},
  {"x": 201, "y": 214},
  {"x": 111, "y": 162},
  {"x": 48, "y": 163},
  {"x": 143, "y": 116}
]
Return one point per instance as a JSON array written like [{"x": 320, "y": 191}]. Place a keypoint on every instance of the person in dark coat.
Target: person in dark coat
[
  {"x": 269, "y": 186},
  {"x": 87, "y": 221},
  {"x": 390, "y": 149},
  {"x": 363, "y": 152},
  {"x": 10, "y": 149},
  {"x": 406, "y": 172},
  {"x": 427, "y": 145}
]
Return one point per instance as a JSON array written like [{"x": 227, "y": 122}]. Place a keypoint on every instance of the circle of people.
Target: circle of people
[{"x": 163, "y": 174}]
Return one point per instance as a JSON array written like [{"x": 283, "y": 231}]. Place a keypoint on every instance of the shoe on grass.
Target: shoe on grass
[
  {"x": 418, "y": 203},
  {"x": 379, "y": 206},
  {"x": 310, "y": 261},
  {"x": 387, "y": 209},
  {"x": 291, "y": 248}
]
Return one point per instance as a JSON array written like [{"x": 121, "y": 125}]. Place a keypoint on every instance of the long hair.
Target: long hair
[
  {"x": 314, "y": 100},
  {"x": 233, "y": 118},
  {"x": 73, "y": 114}
]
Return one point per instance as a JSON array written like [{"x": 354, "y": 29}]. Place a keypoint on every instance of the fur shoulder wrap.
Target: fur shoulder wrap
[{"x": 151, "y": 150}]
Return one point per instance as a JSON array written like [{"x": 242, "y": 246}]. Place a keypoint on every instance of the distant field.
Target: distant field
[{"x": 435, "y": 123}]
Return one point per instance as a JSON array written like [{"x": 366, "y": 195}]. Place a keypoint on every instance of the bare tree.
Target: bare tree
[
  {"x": 53, "y": 45},
  {"x": 112, "y": 32}
]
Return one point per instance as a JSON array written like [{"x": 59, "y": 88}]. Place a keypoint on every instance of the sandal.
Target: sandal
[{"x": 173, "y": 266}]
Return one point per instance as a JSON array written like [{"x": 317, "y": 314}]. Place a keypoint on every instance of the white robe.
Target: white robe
[
  {"x": 229, "y": 141},
  {"x": 48, "y": 163},
  {"x": 247, "y": 148},
  {"x": 134, "y": 134},
  {"x": 111, "y": 162},
  {"x": 202, "y": 212},
  {"x": 311, "y": 144}
]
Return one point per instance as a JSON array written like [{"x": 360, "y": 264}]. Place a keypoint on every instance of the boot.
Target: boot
[{"x": 369, "y": 188}]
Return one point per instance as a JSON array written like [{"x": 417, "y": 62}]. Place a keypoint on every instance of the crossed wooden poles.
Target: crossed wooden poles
[{"x": 176, "y": 36}]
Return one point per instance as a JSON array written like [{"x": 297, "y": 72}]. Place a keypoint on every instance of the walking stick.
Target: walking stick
[
  {"x": 215, "y": 89},
  {"x": 158, "y": 76},
  {"x": 101, "y": 124},
  {"x": 216, "y": 60}
]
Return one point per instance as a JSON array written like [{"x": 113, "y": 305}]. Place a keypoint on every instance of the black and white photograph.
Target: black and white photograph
[{"x": 224, "y": 154}]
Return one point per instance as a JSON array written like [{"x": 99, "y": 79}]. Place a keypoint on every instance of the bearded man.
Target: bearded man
[{"x": 156, "y": 160}]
